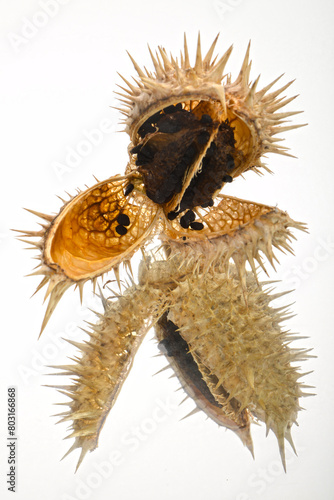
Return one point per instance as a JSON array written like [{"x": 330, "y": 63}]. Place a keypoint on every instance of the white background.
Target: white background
[{"x": 57, "y": 82}]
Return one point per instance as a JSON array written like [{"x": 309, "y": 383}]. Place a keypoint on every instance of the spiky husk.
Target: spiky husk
[
  {"x": 200, "y": 284},
  {"x": 240, "y": 348},
  {"x": 255, "y": 115},
  {"x": 223, "y": 314},
  {"x": 79, "y": 244},
  {"x": 75, "y": 246},
  {"x": 106, "y": 361}
]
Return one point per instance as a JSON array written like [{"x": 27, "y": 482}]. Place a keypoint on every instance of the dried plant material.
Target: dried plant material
[{"x": 192, "y": 130}]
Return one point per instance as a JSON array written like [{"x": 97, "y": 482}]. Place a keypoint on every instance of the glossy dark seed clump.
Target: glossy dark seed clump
[{"x": 174, "y": 139}]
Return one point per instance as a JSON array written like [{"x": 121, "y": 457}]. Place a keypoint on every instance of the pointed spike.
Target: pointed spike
[
  {"x": 288, "y": 437},
  {"x": 116, "y": 273},
  {"x": 272, "y": 96},
  {"x": 80, "y": 285},
  {"x": 195, "y": 410},
  {"x": 246, "y": 438},
  {"x": 61, "y": 199},
  {"x": 82, "y": 456},
  {"x": 38, "y": 244},
  {"x": 281, "y": 446},
  {"x": 279, "y": 130},
  {"x": 124, "y": 90},
  {"x": 136, "y": 66},
  {"x": 207, "y": 58},
  {"x": 245, "y": 68},
  {"x": 94, "y": 281},
  {"x": 166, "y": 61},
  {"x": 216, "y": 74},
  {"x": 287, "y": 114},
  {"x": 161, "y": 370},
  {"x": 265, "y": 89},
  {"x": 199, "y": 62},
  {"x": 42, "y": 283},
  {"x": 251, "y": 94},
  {"x": 56, "y": 294},
  {"x": 186, "y": 54},
  {"x": 133, "y": 89},
  {"x": 79, "y": 345},
  {"x": 121, "y": 110},
  {"x": 103, "y": 299},
  {"x": 29, "y": 234},
  {"x": 46, "y": 217},
  {"x": 157, "y": 66},
  {"x": 74, "y": 446},
  {"x": 127, "y": 264},
  {"x": 184, "y": 400},
  {"x": 127, "y": 100}
]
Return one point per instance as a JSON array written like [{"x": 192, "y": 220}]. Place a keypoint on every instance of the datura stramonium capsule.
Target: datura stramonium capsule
[{"x": 192, "y": 130}]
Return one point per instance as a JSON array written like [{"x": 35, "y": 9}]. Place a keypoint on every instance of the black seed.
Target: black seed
[
  {"x": 155, "y": 118},
  {"x": 169, "y": 127},
  {"x": 141, "y": 160},
  {"x": 172, "y": 215},
  {"x": 145, "y": 155},
  {"x": 203, "y": 137},
  {"x": 211, "y": 150},
  {"x": 147, "y": 151},
  {"x": 190, "y": 154},
  {"x": 128, "y": 189},
  {"x": 170, "y": 109},
  {"x": 146, "y": 128},
  {"x": 135, "y": 149},
  {"x": 206, "y": 119},
  {"x": 197, "y": 226},
  {"x": 121, "y": 230},
  {"x": 184, "y": 223},
  {"x": 189, "y": 216},
  {"x": 123, "y": 220},
  {"x": 227, "y": 178},
  {"x": 184, "y": 238},
  {"x": 207, "y": 204}
]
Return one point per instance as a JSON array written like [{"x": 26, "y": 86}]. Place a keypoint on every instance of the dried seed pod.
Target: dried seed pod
[{"x": 192, "y": 130}]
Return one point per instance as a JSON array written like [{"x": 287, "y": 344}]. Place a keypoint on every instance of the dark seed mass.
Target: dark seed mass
[
  {"x": 169, "y": 126},
  {"x": 178, "y": 139},
  {"x": 187, "y": 219}
]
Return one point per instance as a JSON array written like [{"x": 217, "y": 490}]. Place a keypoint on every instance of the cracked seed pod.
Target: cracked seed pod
[
  {"x": 192, "y": 130},
  {"x": 239, "y": 349},
  {"x": 231, "y": 356}
]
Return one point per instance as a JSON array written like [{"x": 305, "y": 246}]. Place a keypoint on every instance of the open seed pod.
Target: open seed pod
[
  {"x": 192, "y": 129},
  {"x": 93, "y": 233}
]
